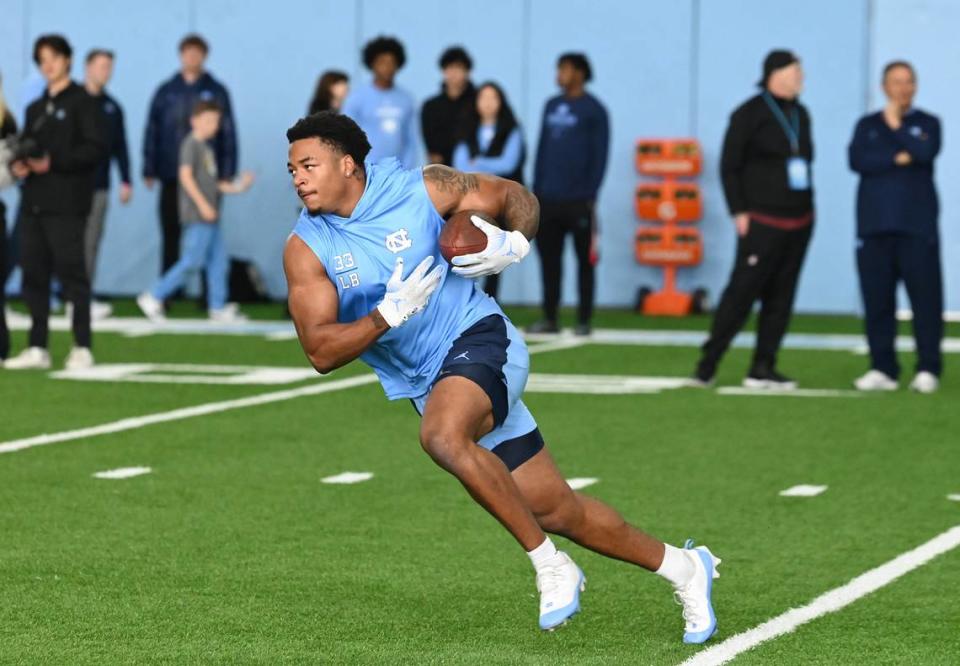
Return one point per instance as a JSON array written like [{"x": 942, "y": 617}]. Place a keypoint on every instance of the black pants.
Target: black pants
[
  {"x": 170, "y": 222},
  {"x": 884, "y": 260},
  {"x": 4, "y": 332},
  {"x": 767, "y": 267},
  {"x": 557, "y": 219},
  {"x": 54, "y": 244}
]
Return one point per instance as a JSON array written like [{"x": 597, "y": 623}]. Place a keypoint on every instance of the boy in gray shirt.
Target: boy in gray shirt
[{"x": 199, "y": 203}]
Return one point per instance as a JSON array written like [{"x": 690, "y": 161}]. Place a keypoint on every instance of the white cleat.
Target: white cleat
[
  {"x": 228, "y": 314},
  {"x": 79, "y": 358},
  {"x": 151, "y": 307},
  {"x": 925, "y": 382},
  {"x": 560, "y": 584},
  {"x": 31, "y": 358},
  {"x": 874, "y": 380},
  {"x": 701, "y": 623},
  {"x": 100, "y": 310}
]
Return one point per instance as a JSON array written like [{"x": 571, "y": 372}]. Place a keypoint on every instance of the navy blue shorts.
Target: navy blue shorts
[{"x": 493, "y": 355}]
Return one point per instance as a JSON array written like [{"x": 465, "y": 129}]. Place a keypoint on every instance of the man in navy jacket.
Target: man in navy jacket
[
  {"x": 571, "y": 160},
  {"x": 893, "y": 151},
  {"x": 168, "y": 124}
]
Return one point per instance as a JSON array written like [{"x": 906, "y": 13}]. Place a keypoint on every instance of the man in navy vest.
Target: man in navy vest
[{"x": 897, "y": 208}]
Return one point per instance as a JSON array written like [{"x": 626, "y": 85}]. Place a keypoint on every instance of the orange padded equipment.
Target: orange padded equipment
[
  {"x": 669, "y": 200},
  {"x": 669, "y": 157}
]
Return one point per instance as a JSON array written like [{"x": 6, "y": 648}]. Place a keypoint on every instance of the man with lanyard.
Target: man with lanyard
[{"x": 765, "y": 168}]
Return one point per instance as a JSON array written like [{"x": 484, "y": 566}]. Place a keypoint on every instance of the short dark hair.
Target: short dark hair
[
  {"x": 456, "y": 55},
  {"x": 380, "y": 45},
  {"x": 96, "y": 53},
  {"x": 194, "y": 40},
  {"x": 203, "y": 106},
  {"x": 337, "y": 131},
  {"x": 890, "y": 66},
  {"x": 58, "y": 43},
  {"x": 577, "y": 61}
]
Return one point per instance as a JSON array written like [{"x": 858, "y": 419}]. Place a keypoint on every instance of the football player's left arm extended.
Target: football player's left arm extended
[{"x": 512, "y": 204}]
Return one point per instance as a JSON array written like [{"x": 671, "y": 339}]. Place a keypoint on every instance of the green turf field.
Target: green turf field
[{"x": 231, "y": 550}]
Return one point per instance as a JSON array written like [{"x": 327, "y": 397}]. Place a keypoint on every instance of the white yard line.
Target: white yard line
[
  {"x": 830, "y": 602},
  {"x": 123, "y": 473},
  {"x": 803, "y": 490},
  {"x": 347, "y": 478},
  {"x": 136, "y": 422},
  {"x": 579, "y": 483}
]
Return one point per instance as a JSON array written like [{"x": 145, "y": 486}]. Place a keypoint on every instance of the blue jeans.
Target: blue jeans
[{"x": 201, "y": 247}]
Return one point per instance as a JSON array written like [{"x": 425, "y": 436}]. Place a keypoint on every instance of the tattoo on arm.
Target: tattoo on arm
[
  {"x": 450, "y": 180},
  {"x": 522, "y": 211}
]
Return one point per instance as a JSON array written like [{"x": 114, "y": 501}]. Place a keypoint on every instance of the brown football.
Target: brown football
[{"x": 459, "y": 236}]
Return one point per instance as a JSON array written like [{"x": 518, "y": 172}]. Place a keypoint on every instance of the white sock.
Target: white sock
[
  {"x": 542, "y": 554},
  {"x": 677, "y": 567}
]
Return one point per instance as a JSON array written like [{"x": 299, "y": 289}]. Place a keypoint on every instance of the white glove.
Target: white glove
[
  {"x": 503, "y": 248},
  {"x": 405, "y": 298}
]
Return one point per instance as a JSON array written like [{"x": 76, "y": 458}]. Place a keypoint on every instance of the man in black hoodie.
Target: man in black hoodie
[
  {"x": 441, "y": 116},
  {"x": 766, "y": 175},
  {"x": 68, "y": 129}
]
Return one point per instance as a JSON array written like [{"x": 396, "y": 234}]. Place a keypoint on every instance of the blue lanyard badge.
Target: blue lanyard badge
[
  {"x": 798, "y": 173},
  {"x": 792, "y": 128}
]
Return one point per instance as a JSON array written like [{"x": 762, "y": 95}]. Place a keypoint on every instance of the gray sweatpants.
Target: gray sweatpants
[{"x": 91, "y": 241}]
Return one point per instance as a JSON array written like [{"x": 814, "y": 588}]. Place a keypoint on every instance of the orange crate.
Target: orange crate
[
  {"x": 669, "y": 201},
  {"x": 668, "y": 246},
  {"x": 669, "y": 157}
]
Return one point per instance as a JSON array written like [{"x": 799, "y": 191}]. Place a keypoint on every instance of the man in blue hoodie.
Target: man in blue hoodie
[
  {"x": 571, "y": 159},
  {"x": 384, "y": 111},
  {"x": 893, "y": 151},
  {"x": 168, "y": 124}
]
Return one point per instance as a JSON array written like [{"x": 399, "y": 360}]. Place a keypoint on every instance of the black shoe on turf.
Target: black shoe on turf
[
  {"x": 703, "y": 377},
  {"x": 582, "y": 329},
  {"x": 543, "y": 326},
  {"x": 768, "y": 378}
]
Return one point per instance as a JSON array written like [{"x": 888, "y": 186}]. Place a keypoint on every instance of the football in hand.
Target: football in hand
[{"x": 459, "y": 236}]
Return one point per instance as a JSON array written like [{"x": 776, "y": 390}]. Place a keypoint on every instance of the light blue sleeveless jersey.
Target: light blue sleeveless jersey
[{"x": 394, "y": 217}]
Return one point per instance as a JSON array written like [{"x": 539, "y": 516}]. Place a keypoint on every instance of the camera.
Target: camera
[{"x": 13, "y": 149}]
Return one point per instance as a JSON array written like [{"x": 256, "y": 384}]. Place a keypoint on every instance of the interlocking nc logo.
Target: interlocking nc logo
[{"x": 398, "y": 241}]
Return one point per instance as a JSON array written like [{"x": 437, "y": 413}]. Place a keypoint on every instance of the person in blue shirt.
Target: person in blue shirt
[
  {"x": 571, "y": 160},
  {"x": 168, "y": 123},
  {"x": 491, "y": 142},
  {"x": 893, "y": 150},
  {"x": 384, "y": 111},
  {"x": 363, "y": 284}
]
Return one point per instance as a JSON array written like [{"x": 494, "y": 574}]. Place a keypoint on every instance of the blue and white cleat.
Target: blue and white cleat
[
  {"x": 560, "y": 584},
  {"x": 701, "y": 623}
]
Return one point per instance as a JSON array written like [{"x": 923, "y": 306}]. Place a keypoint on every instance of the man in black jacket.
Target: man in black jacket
[
  {"x": 68, "y": 129},
  {"x": 766, "y": 175},
  {"x": 442, "y": 116}
]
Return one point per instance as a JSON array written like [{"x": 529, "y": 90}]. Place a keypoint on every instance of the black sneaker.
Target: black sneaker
[
  {"x": 768, "y": 378},
  {"x": 543, "y": 326},
  {"x": 582, "y": 329},
  {"x": 703, "y": 377}
]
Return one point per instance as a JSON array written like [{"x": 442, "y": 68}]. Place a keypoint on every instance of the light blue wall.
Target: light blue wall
[{"x": 674, "y": 68}]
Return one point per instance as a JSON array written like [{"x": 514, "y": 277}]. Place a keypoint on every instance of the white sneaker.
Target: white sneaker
[
  {"x": 79, "y": 358},
  {"x": 560, "y": 585},
  {"x": 925, "y": 382},
  {"x": 875, "y": 380},
  {"x": 31, "y": 358},
  {"x": 228, "y": 314},
  {"x": 151, "y": 307},
  {"x": 100, "y": 310},
  {"x": 701, "y": 623}
]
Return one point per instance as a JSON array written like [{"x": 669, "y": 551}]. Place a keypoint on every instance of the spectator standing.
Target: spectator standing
[
  {"x": 767, "y": 181},
  {"x": 168, "y": 123},
  {"x": 8, "y": 127},
  {"x": 332, "y": 89},
  {"x": 99, "y": 71},
  {"x": 571, "y": 160},
  {"x": 384, "y": 111},
  {"x": 443, "y": 115},
  {"x": 492, "y": 142},
  {"x": 203, "y": 247},
  {"x": 68, "y": 126},
  {"x": 893, "y": 150}
]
